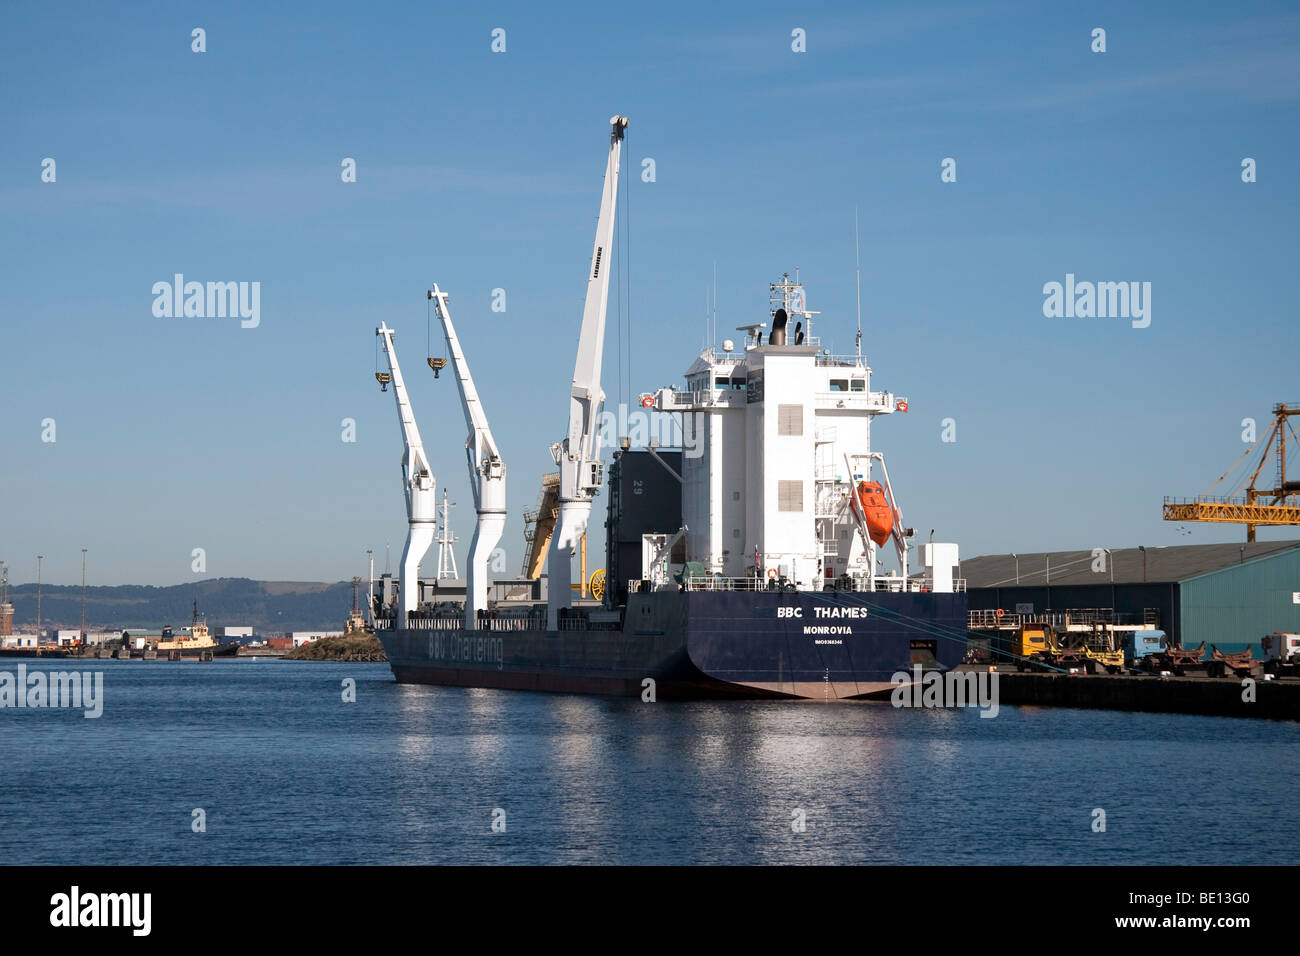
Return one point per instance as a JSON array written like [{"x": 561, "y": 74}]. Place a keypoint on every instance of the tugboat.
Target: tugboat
[
  {"x": 356, "y": 623},
  {"x": 199, "y": 644}
]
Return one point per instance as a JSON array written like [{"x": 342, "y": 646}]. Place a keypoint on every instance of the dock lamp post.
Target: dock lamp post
[
  {"x": 1017, "y": 560},
  {"x": 83, "y": 596},
  {"x": 39, "y": 559},
  {"x": 370, "y": 595},
  {"x": 1144, "y": 563},
  {"x": 1110, "y": 559}
]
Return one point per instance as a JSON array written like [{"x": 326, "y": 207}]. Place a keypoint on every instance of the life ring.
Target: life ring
[
  {"x": 999, "y": 613},
  {"x": 771, "y": 572},
  {"x": 647, "y": 401}
]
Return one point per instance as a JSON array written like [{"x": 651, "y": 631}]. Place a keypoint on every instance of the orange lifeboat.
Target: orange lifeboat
[{"x": 875, "y": 510}]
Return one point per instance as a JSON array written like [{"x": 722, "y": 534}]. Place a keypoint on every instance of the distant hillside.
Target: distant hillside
[{"x": 268, "y": 606}]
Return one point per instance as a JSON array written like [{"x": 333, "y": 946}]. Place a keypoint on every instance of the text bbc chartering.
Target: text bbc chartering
[{"x": 823, "y": 612}]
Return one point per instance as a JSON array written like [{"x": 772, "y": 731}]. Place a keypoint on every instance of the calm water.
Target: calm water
[{"x": 289, "y": 773}]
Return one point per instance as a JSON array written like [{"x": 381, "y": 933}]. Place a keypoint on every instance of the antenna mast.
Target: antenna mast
[
  {"x": 713, "y": 340},
  {"x": 446, "y": 553},
  {"x": 857, "y": 262}
]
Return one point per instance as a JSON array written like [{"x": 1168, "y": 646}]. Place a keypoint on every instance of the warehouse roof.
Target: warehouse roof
[{"x": 1163, "y": 565}]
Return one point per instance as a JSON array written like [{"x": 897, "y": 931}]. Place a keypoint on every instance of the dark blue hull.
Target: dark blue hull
[{"x": 820, "y": 645}]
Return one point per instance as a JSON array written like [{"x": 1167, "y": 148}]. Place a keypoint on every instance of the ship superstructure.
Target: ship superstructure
[{"x": 783, "y": 428}]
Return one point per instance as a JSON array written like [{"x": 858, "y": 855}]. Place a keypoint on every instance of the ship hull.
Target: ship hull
[{"x": 703, "y": 644}]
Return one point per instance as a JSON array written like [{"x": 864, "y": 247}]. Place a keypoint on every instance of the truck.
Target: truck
[
  {"x": 1142, "y": 644},
  {"x": 1281, "y": 653}
]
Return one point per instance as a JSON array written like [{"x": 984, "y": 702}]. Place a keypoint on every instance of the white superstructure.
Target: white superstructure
[{"x": 784, "y": 432}]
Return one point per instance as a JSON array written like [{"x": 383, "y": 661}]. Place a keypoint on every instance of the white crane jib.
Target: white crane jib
[
  {"x": 487, "y": 472},
  {"x": 579, "y": 454},
  {"x": 417, "y": 482}
]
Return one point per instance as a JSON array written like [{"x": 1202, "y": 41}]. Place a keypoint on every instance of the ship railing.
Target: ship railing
[
  {"x": 681, "y": 400},
  {"x": 433, "y": 624},
  {"x": 855, "y": 399},
  {"x": 707, "y": 583},
  {"x": 848, "y": 361},
  {"x": 716, "y": 357},
  {"x": 927, "y": 584},
  {"x": 534, "y": 623},
  {"x": 720, "y": 583},
  {"x": 512, "y": 623}
]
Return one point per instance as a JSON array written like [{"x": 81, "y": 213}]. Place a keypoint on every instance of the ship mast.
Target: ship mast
[{"x": 446, "y": 553}]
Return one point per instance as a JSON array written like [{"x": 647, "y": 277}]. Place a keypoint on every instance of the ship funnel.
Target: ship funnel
[
  {"x": 798, "y": 333},
  {"x": 777, "y": 335}
]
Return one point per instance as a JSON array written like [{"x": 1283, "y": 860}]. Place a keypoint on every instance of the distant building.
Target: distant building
[
  {"x": 230, "y": 632},
  {"x": 306, "y": 637},
  {"x": 66, "y": 635},
  {"x": 280, "y": 643},
  {"x": 18, "y": 640},
  {"x": 6, "y": 620},
  {"x": 1217, "y": 593}
]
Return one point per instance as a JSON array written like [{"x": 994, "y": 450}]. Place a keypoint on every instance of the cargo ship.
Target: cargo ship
[{"x": 765, "y": 556}]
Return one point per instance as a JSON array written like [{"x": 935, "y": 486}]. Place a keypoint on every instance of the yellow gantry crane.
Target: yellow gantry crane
[
  {"x": 539, "y": 528},
  {"x": 1258, "y": 506}
]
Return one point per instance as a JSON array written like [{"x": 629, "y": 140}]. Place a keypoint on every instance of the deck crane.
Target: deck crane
[
  {"x": 578, "y": 456},
  {"x": 487, "y": 472},
  {"x": 417, "y": 482}
]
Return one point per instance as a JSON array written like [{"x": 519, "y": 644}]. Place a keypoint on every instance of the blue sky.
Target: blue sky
[{"x": 481, "y": 170}]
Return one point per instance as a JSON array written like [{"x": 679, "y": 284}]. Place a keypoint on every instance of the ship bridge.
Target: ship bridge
[{"x": 783, "y": 432}]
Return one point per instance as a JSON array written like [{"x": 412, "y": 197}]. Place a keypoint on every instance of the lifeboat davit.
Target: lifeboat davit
[{"x": 876, "y": 511}]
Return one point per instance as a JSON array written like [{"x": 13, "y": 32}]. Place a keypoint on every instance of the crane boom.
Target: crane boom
[
  {"x": 579, "y": 454},
  {"x": 417, "y": 482},
  {"x": 487, "y": 472}
]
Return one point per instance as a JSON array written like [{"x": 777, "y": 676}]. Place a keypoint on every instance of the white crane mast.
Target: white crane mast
[
  {"x": 579, "y": 454},
  {"x": 487, "y": 472},
  {"x": 417, "y": 482}
]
